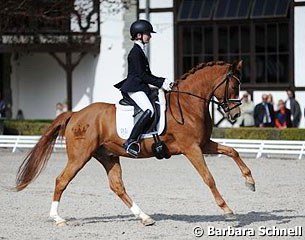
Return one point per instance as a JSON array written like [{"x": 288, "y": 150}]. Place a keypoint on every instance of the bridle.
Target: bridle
[
  {"x": 224, "y": 104},
  {"x": 227, "y": 101}
]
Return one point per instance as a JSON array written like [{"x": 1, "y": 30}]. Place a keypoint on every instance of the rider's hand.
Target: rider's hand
[{"x": 168, "y": 84}]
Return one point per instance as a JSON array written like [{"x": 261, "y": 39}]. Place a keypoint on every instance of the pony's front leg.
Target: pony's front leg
[
  {"x": 214, "y": 148},
  {"x": 194, "y": 154}
]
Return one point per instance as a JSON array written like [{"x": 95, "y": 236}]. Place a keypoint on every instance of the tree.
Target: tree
[
  {"x": 51, "y": 17},
  {"x": 52, "y": 26}
]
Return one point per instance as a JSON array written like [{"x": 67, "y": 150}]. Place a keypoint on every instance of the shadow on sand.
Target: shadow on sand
[
  {"x": 241, "y": 220},
  {"x": 279, "y": 216}
]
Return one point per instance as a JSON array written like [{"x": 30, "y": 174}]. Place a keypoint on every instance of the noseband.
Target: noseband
[{"x": 224, "y": 104}]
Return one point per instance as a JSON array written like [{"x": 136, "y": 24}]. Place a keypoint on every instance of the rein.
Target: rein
[{"x": 224, "y": 104}]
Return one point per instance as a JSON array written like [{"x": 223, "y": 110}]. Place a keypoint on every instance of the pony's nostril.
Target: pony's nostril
[{"x": 236, "y": 115}]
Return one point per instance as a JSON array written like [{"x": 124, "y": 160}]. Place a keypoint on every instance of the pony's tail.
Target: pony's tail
[{"x": 39, "y": 155}]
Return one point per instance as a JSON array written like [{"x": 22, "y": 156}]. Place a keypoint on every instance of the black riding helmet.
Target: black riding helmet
[{"x": 140, "y": 26}]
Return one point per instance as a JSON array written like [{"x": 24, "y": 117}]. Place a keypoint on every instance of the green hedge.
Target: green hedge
[
  {"x": 260, "y": 133},
  {"x": 25, "y": 127},
  {"x": 37, "y": 127}
]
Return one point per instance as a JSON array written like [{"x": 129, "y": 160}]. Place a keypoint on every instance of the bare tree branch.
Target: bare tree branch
[{"x": 47, "y": 17}]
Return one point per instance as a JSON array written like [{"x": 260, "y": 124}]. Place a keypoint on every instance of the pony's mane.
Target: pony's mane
[{"x": 201, "y": 66}]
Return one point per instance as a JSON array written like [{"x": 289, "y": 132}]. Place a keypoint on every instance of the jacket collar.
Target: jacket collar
[{"x": 140, "y": 46}]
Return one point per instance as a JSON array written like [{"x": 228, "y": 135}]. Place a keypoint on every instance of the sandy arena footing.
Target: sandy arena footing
[{"x": 170, "y": 191}]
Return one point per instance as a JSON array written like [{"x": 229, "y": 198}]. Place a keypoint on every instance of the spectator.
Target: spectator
[
  {"x": 59, "y": 108},
  {"x": 270, "y": 99},
  {"x": 282, "y": 116},
  {"x": 264, "y": 113},
  {"x": 246, "y": 118},
  {"x": 64, "y": 107},
  {"x": 2, "y": 107},
  {"x": 20, "y": 115},
  {"x": 294, "y": 108}
]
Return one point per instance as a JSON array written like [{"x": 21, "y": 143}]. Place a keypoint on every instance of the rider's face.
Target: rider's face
[{"x": 145, "y": 37}]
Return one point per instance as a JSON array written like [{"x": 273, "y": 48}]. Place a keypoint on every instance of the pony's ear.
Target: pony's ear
[{"x": 237, "y": 65}]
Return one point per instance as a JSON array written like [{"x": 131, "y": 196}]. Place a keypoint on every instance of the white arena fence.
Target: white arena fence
[
  {"x": 257, "y": 147},
  {"x": 19, "y": 141},
  {"x": 261, "y": 147}
]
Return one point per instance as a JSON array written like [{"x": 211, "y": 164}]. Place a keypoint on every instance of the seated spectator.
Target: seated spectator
[
  {"x": 20, "y": 115},
  {"x": 59, "y": 109},
  {"x": 282, "y": 116},
  {"x": 246, "y": 118},
  {"x": 264, "y": 113}
]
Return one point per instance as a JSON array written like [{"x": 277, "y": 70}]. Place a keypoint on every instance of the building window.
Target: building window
[
  {"x": 261, "y": 42},
  {"x": 233, "y": 44},
  {"x": 272, "y": 52},
  {"x": 200, "y": 47}
]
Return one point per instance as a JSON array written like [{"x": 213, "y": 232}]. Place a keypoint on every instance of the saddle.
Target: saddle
[
  {"x": 153, "y": 97},
  {"x": 127, "y": 114}
]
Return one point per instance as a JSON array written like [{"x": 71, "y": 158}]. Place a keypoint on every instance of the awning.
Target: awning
[{"x": 207, "y": 10}]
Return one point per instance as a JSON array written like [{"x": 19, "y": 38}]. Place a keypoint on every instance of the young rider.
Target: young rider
[{"x": 136, "y": 85}]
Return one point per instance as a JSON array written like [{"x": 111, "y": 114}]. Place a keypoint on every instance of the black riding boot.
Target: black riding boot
[{"x": 131, "y": 145}]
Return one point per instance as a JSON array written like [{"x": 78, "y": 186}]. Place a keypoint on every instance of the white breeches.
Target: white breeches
[{"x": 142, "y": 101}]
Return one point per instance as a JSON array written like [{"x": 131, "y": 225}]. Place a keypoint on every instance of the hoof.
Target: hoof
[
  {"x": 148, "y": 222},
  {"x": 251, "y": 186},
  {"x": 230, "y": 217},
  {"x": 61, "y": 223}
]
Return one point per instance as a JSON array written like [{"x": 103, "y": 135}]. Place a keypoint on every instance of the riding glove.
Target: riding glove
[{"x": 168, "y": 84}]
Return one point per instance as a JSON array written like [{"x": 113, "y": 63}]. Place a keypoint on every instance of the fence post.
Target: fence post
[
  {"x": 260, "y": 151},
  {"x": 302, "y": 151},
  {"x": 16, "y": 144}
]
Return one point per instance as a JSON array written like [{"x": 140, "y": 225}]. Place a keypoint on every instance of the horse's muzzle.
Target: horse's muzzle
[{"x": 234, "y": 114}]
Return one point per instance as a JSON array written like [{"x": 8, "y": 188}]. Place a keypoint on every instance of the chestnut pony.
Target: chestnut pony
[{"x": 91, "y": 132}]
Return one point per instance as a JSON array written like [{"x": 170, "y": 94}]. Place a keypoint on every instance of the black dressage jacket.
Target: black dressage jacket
[{"x": 139, "y": 74}]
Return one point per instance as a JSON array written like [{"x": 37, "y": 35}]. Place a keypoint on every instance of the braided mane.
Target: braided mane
[{"x": 201, "y": 66}]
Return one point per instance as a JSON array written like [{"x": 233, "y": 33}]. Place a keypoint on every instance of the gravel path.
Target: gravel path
[{"x": 170, "y": 191}]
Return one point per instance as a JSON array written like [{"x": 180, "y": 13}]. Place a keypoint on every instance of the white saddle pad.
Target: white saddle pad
[{"x": 125, "y": 120}]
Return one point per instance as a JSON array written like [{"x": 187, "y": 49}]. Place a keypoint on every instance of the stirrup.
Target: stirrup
[{"x": 132, "y": 148}]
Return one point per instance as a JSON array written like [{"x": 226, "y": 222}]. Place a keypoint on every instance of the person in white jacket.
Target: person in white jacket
[{"x": 246, "y": 118}]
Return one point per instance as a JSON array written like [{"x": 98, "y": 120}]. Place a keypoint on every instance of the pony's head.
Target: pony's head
[{"x": 227, "y": 91}]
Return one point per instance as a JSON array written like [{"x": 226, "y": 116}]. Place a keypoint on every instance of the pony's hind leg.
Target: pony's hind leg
[
  {"x": 194, "y": 154},
  {"x": 216, "y": 148},
  {"x": 114, "y": 172},
  {"x": 74, "y": 164}
]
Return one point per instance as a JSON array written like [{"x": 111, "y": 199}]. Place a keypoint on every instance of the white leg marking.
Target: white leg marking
[
  {"x": 54, "y": 213},
  {"x": 138, "y": 212}
]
